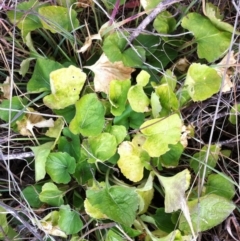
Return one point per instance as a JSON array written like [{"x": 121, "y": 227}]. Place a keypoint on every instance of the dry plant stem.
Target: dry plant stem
[
  {"x": 16, "y": 156},
  {"x": 160, "y": 7},
  {"x": 14, "y": 213}
]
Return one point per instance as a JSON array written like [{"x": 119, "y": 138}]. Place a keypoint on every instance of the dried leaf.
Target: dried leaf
[
  {"x": 88, "y": 42},
  {"x": 33, "y": 119},
  {"x": 226, "y": 62},
  {"x": 6, "y": 88},
  {"x": 105, "y": 72}
]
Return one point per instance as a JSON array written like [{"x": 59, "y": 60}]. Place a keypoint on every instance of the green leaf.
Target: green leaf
[
  {"x": 89, "y": 118},
  {"x": 67, "y": 113},
  {"x": 112, "y": 236},
  {"x": 132, "y": 160},
  {"x": 175, "y": 188},
  {"x": 69, "y": 143},
  {"x": 164, "y": 23},
  {"x": 92, "y": 211},
  {"x": 168, "y": 99},
  {"x": 170, "y": 79},
  {"x": 59, "y": 166},
  {"x": 41, "y": 153},
  {"x": 24, "y": 66},
  {"x": 220, "y": 185},
  {"x": 206, "y": 212},
  {"x": 58, "y": 19},
  {"x": 234, "y": 113},
  {"x": 118, "y": 203},
  {"x": 114, "y": 48},
  {"x": 25, "y": 17},
  {"x": 118, "y": 96},
  {"x": 201, "y": 158},
  {"x": 207, "y": 36},
  {"x": 83, "y": 172},
  {"x": 31, "y": 193},
  {"x": 102, "y": 146},
  {"x": 17, "y": 103},
  {"x": 171, "y": 157},
  {"x": 69, "y": 221},
  {"x": 155, "y": 129},
  {"x": 3, "y": 223},
  {"x": 51, "y": 195},
  {"x": 119, "y": 132},
  {"x": 40, "y": 81},
  {"x": 213, "y": 13},
  {"x": 66, "y": 85},
  {"x": 202, "y": 82},
  {"x": 163, "y": 220},
  {"x": 129, "y": 118}
]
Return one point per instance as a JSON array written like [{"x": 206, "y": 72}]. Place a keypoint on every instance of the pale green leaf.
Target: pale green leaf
[
  {"x": 207, "y": 212},
  {"x": 155, "y": 104},
  {"x": 160, "y": 133},
  {"x": 102, "y": 146},
  {"x": 92, "y": 211},
  {"x": 207, "y": 36},
  {"x": 89, "y": 118},
  {"x": 69, "y": 221},
  {"x": 112, "y": 236},
  {"x": 202, "y": 82},
  {"x": 3, "y": 223},
  {"x": 145, "y": 192},
  {"x": 117, "y": 202},
  {"x": 59, "y": 166},
  {"x": 119, "y": 132},
  {"x": 175, "y": 188},
  {"x": 51, "y": 194},
  {"x": 164, "y": 23},
  {"x": 66, "y": 84},
  {"x": 58, "y": 19},
  {"x": 137, "y": 98},
  {"x": 143, "y": 78},
  {"x": 40, "y": 81},
  {"x": 170, "y": 79},
  {"x": 213, "y": 13},
  {"x": 168, "y": 99},
  {"x": 25, "y": 16},
  {"x": 118, "y": 96},
  {"x": 41, "y": 153},
  {"x": 149, "y": 4}
]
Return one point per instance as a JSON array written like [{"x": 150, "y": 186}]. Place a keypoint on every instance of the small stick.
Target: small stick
[
  {"x": 16, "y": 156},
  {"x": 160, "y": 7}
]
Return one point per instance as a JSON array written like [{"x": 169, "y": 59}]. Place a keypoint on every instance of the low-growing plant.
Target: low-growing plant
[{"x": 125, "y": 127}]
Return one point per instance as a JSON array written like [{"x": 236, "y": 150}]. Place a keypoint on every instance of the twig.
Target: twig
[
  {"x": 15, "y": 214},
  {"x": 16, "y": 156},
  {"x": 160, "y": 7}
]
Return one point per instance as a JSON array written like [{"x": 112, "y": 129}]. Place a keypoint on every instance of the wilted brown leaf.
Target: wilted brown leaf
[
  {"x": 106, "y": 71},
  {"x": 226, "y": 62},
  {"x": 6, "y": 88},
  {"x": 25, "y": 126}
]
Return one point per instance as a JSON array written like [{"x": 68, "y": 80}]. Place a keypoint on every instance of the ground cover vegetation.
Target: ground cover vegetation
[{"x": 119, "y": 120}]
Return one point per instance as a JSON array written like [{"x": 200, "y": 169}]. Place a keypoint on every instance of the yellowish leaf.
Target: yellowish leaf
[
  {"x": 93, "y": 211},
  {"x": 132, "y": 160},
  {"x": 105, "y": 72}
]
